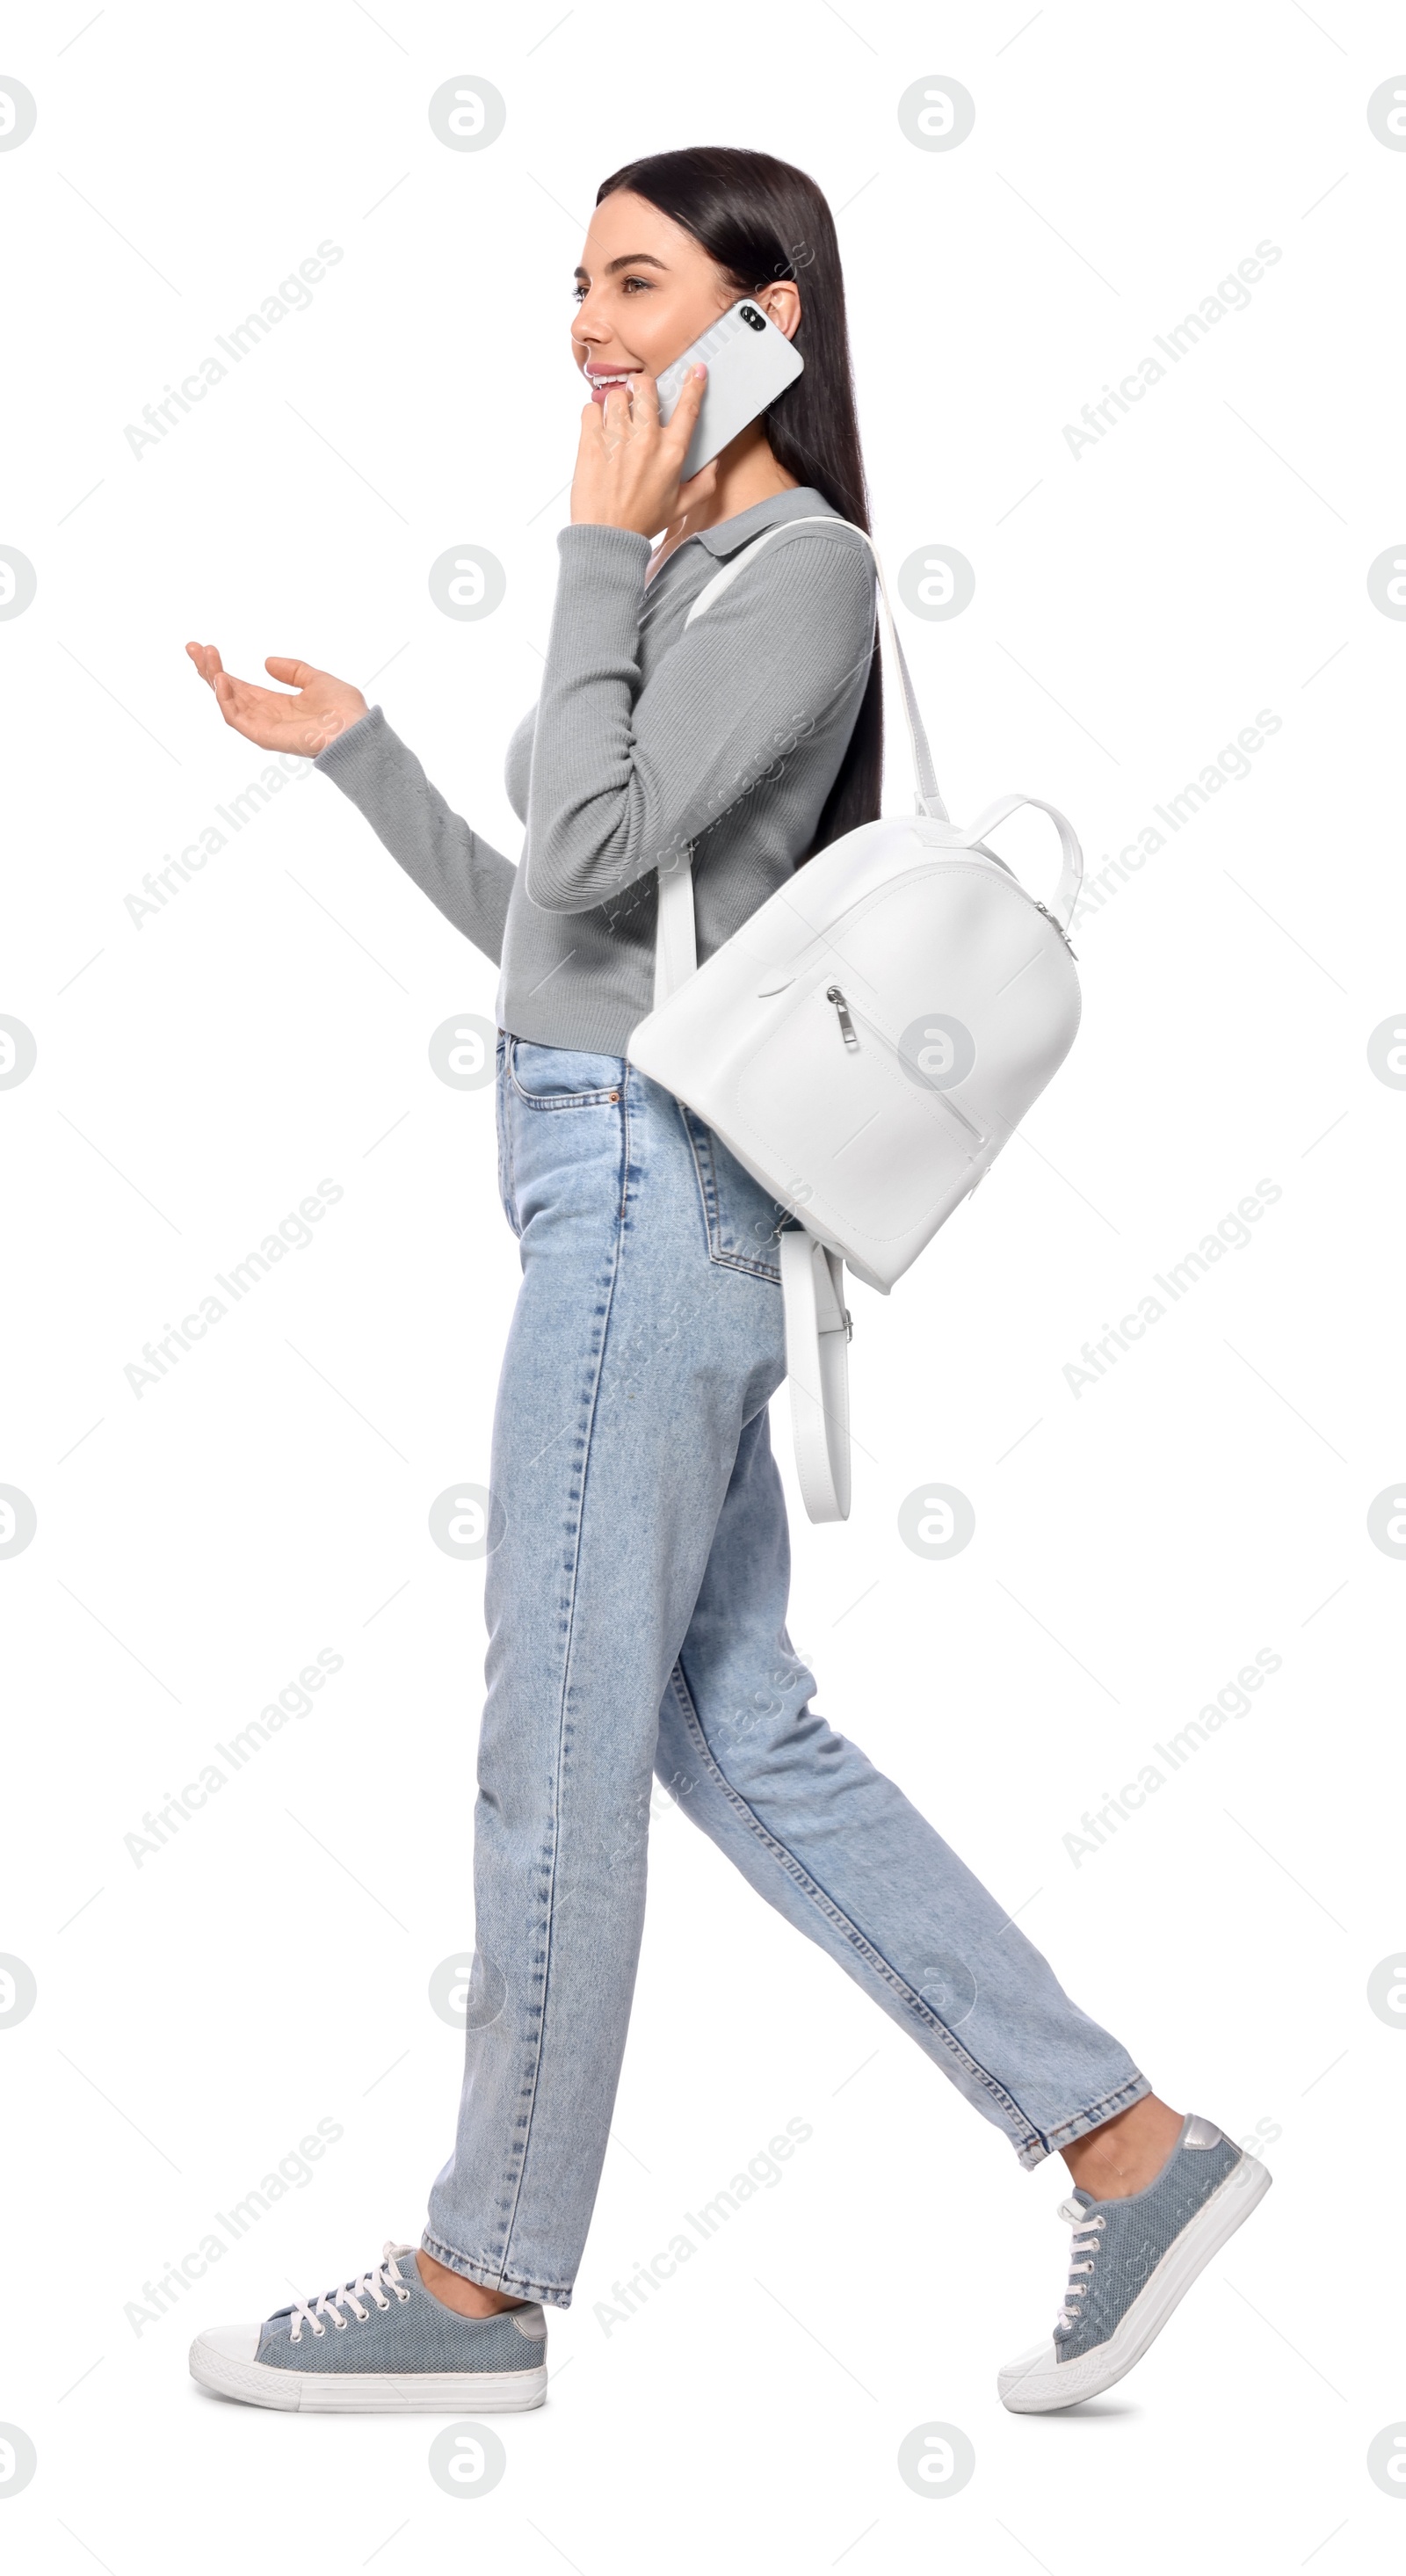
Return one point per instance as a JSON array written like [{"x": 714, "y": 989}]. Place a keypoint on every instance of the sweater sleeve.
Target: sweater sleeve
[
  {"x": 462, "y": 873},
  {"x": 624, "y": 776}
]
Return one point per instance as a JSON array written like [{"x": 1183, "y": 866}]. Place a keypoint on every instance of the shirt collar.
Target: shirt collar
[{"x": 802, "y": 503}]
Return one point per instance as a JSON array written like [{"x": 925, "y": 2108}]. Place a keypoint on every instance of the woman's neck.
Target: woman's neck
[{"x": 748, "y": 472}]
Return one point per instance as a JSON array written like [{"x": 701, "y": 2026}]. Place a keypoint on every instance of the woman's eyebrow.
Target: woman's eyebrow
[{"x": 632, "y": 259}]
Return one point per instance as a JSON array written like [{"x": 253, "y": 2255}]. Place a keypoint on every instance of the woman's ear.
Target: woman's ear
[{"x": 781, "y": 304}]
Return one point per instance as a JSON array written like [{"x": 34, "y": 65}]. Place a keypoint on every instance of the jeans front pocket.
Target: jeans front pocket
[
  {"x": 742, "y": 1219},
  {"x": 555, "y": 1078}
]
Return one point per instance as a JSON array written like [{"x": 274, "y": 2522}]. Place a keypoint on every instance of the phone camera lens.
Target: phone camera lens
[{"x": 755, "y": 319}]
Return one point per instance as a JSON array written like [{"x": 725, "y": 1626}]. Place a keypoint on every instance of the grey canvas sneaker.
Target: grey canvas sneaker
[
  {"x": 381, "y": 2344},
  {"x": 1130, "y": 2263}
]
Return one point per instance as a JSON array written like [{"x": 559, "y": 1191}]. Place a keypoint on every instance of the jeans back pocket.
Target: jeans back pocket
[{"x": 742, "y": 1219}]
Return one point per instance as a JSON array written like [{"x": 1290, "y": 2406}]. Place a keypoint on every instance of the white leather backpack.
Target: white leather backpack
[{"x": 865, "y": 1044}]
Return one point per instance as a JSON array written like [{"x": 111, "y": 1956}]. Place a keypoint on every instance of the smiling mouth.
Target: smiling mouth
[{"x": 600, "y": 384}]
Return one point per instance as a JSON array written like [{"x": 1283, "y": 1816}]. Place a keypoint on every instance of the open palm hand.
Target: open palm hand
[{"x": 320, "y": 708}]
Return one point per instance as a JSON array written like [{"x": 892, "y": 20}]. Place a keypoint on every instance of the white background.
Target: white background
[{"x": 1135, "y": 1544}]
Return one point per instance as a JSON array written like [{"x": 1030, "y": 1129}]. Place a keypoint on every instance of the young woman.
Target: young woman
[{"x": 636, "y": 1602}]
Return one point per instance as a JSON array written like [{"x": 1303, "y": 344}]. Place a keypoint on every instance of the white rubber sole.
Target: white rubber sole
[
  {"x": 1037, "y": 2384},
  {"x": 223, "y": 2361}
]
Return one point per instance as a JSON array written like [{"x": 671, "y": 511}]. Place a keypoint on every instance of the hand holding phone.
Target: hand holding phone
[
  {"x": 644, "y": 455},
  {"x": 628, "y": 463},
  {"x": 749, "y": 363}
]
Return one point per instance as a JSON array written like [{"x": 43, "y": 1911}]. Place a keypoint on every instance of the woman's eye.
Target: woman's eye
[{"x": 579, "y": 292}]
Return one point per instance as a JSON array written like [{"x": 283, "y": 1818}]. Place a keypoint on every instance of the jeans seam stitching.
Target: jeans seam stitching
[
  {"x": 509, "y": 1173},
  {"x": 568, "y": 1100},
  {"x": 524, "y": 2289},
  {"x": 740, "y": 1261},
  {"x": 712, "y": 1215},
  {"x": 1122, "y": 2096},
  {"x": 827, "y": 1904},
  {"x": 707, "y": 1208},
  {"x": 540, "y": 2041},
  {"x": 559, "y": 1100}
]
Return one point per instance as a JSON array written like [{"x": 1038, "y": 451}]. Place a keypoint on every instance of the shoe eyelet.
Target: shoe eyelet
[
  {"x": 402, "y": 2295},
  {"x": 319, "y": 2331}
]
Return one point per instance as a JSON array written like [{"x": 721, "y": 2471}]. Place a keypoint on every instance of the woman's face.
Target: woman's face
[{"x": 645, "y": 289}]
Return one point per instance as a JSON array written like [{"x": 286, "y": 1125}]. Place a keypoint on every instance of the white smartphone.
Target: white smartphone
[{"x": 749, "y": 363}]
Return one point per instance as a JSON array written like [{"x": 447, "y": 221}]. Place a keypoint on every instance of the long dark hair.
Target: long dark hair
[{"x": 761, "y": 220}]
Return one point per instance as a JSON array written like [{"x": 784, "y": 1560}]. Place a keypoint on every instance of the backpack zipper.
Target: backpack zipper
[
  {"x": 841, "y": 1007},
  {"x": 1049, "y": 916},
  {"x": 834, "y": 995}
]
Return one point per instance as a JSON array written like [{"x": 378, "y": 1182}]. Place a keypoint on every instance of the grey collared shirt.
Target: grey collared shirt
[{"x": 645, "y": 741}]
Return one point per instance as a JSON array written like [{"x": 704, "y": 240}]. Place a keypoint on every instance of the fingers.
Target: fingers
[
  {"x": 206, "y": 660},
  {"x": 688, "y": 406},
  {"x": 615, "y": 421},
  {"x": 592, "y": 429},
  {"x": 216, "y": 677},
  {"x": 644, "y": 398},
  {"x": 628, "y": 465},
  {"x": 236, "y": 702},
  {"x": 294, "y": 673}
]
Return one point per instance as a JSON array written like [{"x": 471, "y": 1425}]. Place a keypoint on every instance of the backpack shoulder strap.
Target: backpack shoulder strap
[
  {"x": 817, "y": 1363},
  {"x": 927, "y": 798},
  {"x": 676, "y": 937}
]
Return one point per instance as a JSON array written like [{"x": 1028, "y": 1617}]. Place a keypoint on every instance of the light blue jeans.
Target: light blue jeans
[{"x": 636, "y": 1606}]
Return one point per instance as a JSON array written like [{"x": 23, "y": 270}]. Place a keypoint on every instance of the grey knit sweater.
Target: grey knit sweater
[{"x": 644, "y": 741}]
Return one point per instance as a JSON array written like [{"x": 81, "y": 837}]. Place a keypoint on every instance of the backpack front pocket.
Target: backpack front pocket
[{"x": 866, "y": 1139}]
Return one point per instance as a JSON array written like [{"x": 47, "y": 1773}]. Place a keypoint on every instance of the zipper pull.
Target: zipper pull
[
  {"x": 1049, "y": 916},
  {"x": 833, "y": 994}
]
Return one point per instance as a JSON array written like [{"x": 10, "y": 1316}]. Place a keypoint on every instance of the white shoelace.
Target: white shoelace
[
  {"x": 1081, "y": 2261},
  {"x": 372, "y": 2285}
]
